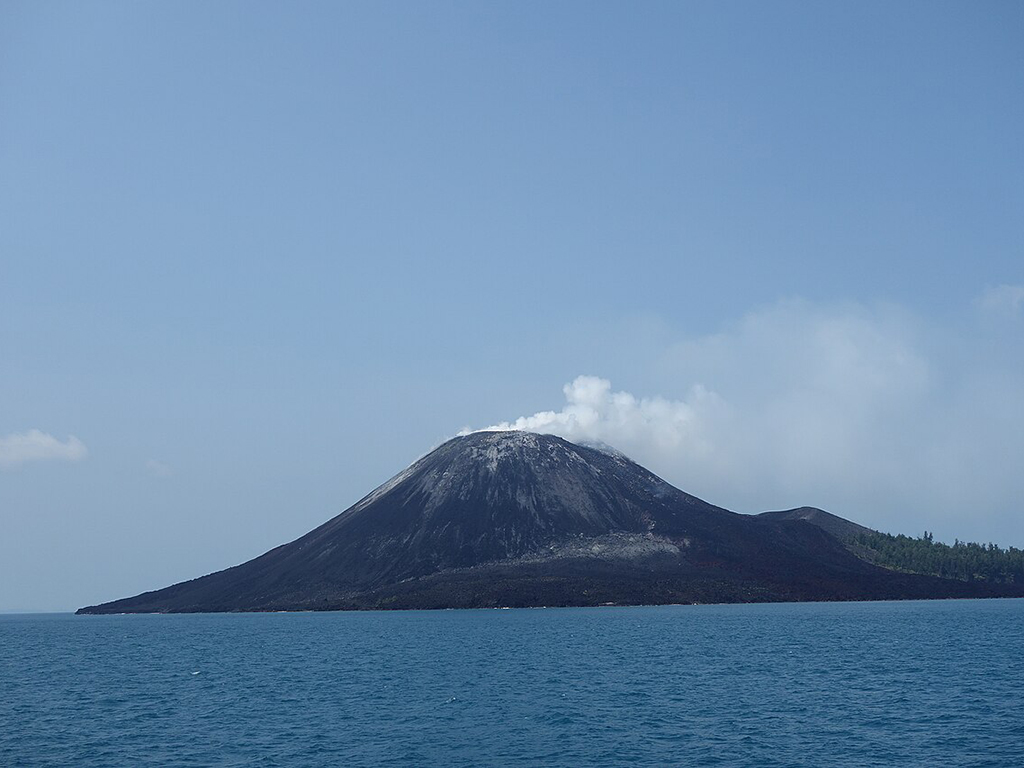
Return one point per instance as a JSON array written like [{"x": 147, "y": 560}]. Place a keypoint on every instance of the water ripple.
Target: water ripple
[{"x": 869, "y": 684}]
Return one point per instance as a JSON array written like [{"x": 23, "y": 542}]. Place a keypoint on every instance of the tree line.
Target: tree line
[{"x": 965, "y": 561}]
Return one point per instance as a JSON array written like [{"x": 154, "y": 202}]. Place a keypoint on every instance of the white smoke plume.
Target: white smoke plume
[{"x": 593, "y": 412}]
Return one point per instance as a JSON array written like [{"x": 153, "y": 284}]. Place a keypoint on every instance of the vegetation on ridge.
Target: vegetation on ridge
[{"x": 964, "y": 561}]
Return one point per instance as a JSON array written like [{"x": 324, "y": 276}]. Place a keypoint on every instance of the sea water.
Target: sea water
[{"x": 849, "y": 684}]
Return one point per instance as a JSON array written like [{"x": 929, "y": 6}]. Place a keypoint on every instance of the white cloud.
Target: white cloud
[
  {"x": 859, "y": 409},
  {"x": 1003, "y": 301},
  {"x": 158, "y": 468},
  {"x": 18, "y": 448}
]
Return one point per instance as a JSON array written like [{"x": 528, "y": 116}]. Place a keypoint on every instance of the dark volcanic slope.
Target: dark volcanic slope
[
  {"x": 839, "y": 527},
  {"x": 516, "y": 518}
]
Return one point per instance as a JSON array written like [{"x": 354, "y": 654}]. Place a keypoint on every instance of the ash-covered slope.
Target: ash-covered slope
[
  {"x": 516, "y": 518},
  {"x": 839, "y": 527}
]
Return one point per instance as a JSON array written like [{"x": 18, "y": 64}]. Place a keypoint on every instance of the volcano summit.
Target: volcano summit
[{"x": 523, "y": 519}]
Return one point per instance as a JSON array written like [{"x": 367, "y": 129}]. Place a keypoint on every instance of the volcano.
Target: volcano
[{"x": 521, "y": 519}]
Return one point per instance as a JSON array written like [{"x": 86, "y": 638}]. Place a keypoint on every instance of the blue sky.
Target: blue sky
[{"x": 255, "y": 258}]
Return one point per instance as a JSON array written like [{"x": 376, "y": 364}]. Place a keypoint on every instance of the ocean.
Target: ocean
[{"x": 937, "y": 683}]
